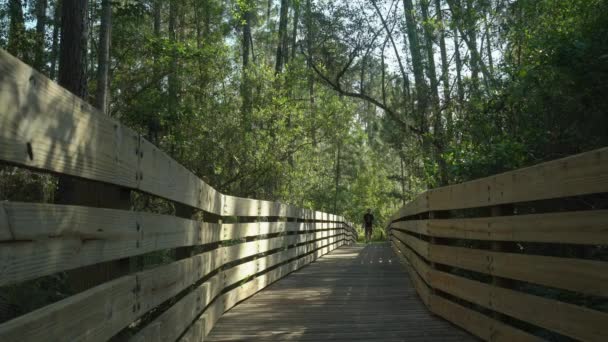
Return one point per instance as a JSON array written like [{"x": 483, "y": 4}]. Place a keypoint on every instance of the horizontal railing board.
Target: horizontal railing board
[
  {"x": 567, "y": 319},
  {"x": 579, "y": 275},
  {"x": 67, "y": 135},
  {"x": 42, "y": 239},
  {"x": 575, "y": 227},
  {"x": 203, "y": 325},
  {"x": 48, "y": 238},
  {"x": 583, "y": 276},
  {"x": 419, "y": 246},
  {"x": 480, "y": 325},
  {"x": 581, "y": 174},
  {"x": 116, "y": 303},
  {"x": 100, "y": 312},
  {"x": 174, "y": 321}
]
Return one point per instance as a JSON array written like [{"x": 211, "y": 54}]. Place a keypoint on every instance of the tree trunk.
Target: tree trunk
[
  {"x": 430, "y": 55},
  {"x": 72, "y": 54},
  {"x": 173, "y": 77},
  {"x": 16, "y": 33},
  {"x": 72, "y": 76},
  {"x": 55, "y": 42},
  {"x": 282, "y": 50},
  {"x": 102, "y": 98},
  {"x": 294, "y": 33},
  {"x": 458, "y": 60},
  {"x": 472, "y": 44},
  {"x": 40, "y": 34},
  {"x": 311, "y": 77},
  {"x": 417, "y": 66},
  {"x": 246, "y": 91},
  {"x": 337, "y": 179},
  {"x": 445, "y": 76}
]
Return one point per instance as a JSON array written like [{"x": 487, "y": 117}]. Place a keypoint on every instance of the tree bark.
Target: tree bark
[
  {"x": 102, "y": 96},
  {"x": 40, "y": 34},
  {"x": 55, "y": 42},
  {"x": 294, "y": 32},
  {"x": 311, "y": 77},
  {"x": 282, "y": 50},
  {"x": 458, "y": 60},
  {"x": 16, "y": 33},
  {"x": 445, "y": 76},
  {"x": 72, "y": 54},
  {"x": 417, "y": 66},
  {"x": 173, "y": 77},
  {"x": 246, "y": 91}
]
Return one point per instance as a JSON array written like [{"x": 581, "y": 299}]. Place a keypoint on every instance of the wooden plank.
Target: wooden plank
[
  {"x": 578, "y": 227},
  {"x": 584, "y": 276},
  {"x": 567, "y": 319},
  {"x": 414, "y": 226},
  {"x": 581, "y": 174},
  {"x": 419, "y": 246},
  {"x": 480, "y": 325},
  {"x": 99, "y": 313},
  {"x": 69, "y": 136},
  {"x": 419, "y": 205},
  {"x": 175, "y": 320},
  {"x": 47, "y": 238},
  {"x": 419, "y": 265}
]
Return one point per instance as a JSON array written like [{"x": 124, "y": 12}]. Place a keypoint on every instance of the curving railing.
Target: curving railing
[
  {"x": 518, "y": 256},
  {"x": 238, "y": 247}
]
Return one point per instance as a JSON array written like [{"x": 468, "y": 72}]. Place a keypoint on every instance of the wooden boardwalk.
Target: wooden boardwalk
[{"x": 354, "y": 293}]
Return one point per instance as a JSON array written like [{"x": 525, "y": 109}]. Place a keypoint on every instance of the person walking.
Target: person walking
[{"x": 368, "y": 221}]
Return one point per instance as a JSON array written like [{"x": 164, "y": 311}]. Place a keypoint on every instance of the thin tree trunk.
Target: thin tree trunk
[
  {"x": 102, "y": 98},
  {"x": 294, "y": 32},
  {"x": 16, "y": 33},
  {"x": 173, "y": 79},
  {"x": 458, "y": 61},
  {"x": 55, "y": 43},
  {"x": 445, "y": 78},
  {"x": 246, "y": 91},
  {"x": 338, "y": 157},
  {"x": 472, "y": 44},
  {"x": 311, "y": 77},
  {"x": 417, "y": 66},
  {"x": 72, "y": 54},
  {"x": 430, "y": 55},
  {"x": 40, "y": 34},
  {"x": 282, "y": 52}
]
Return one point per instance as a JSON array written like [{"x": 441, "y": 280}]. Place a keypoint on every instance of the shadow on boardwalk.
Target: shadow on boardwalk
[{"x": 357, "y": 293}]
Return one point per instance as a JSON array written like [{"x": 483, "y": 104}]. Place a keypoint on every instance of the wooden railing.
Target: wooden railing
[
  {"x": 518, "y": 256},
  {"x": 44, "y": 127}
]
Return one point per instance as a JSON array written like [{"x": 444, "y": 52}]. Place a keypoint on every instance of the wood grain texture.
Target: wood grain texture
[
  {"x": 581, "y": 174},
  {"x": 567, "y": 319},
  {"x": 583, "y": 276},
  {"x": 576, "y": 227},
  {"x": 349, "y": 294},
  {"x": 44, "y": 238}
]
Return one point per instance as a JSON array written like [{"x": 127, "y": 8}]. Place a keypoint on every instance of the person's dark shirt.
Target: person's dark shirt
[{"x": 368, "y": 219}]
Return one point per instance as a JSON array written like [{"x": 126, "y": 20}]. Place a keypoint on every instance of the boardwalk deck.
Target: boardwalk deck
[{"x": 354, "y": 293}]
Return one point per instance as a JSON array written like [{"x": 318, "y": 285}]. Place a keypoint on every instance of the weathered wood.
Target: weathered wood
[
  {"x": 478, "y": 324},
  {"x": 99, "y": 313},
  {"x": 419, "y": 246},
  {"x": 578, "y": 227},
  {"x": 584, "y": 276},
  {"x": 350, "y": 295},
  {"x": 46, "y": 238},
  {"x": 576, "y": 175},
  {"x": 173, "y": 322},
  {"x": 568, "y": 319}
]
